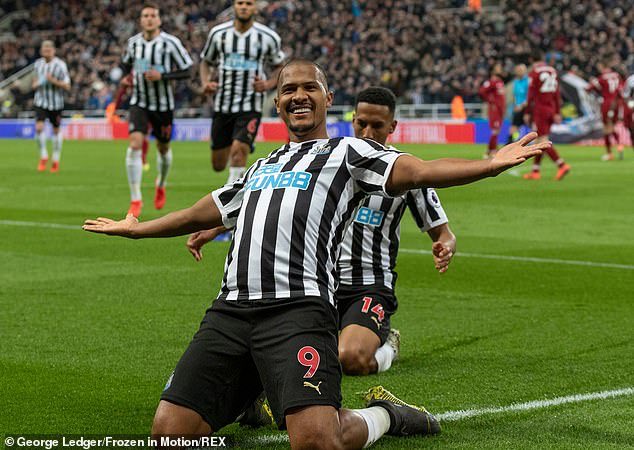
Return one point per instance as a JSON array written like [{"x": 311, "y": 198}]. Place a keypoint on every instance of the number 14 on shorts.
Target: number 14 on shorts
[{"x": 376, "y": 309}]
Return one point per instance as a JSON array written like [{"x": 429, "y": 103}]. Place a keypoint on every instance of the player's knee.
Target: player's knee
[
  {"x": 218, "y": 166},
  {"x": 163, "y": 147},
  {"x": 316, "y": 438},
  {"x": 176, "y": 420},
  {"x": 356, "y": 359}
]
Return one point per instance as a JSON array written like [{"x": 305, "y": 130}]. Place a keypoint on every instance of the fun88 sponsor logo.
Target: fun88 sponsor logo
[
  {"x": 270, "y": 177},
  {"x": 369, "y": 216}
]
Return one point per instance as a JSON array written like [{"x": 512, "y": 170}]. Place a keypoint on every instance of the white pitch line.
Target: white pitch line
[
  {"x": 452, "y": 416},
  {"x": 570, "y": 262},
  {"x": 535, "y": 404},
  {"x": 18, "y": 223}
]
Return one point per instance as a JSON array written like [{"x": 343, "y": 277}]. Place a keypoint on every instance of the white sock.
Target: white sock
[
  {"x": 377, "y": 420},
  {"x": 235, "y": 173},
  {"x": 57, "y": 146},
  {"x": 163, "y": 163},
  {"x": 536, "y": 167},
  {"x": 40, "y": 138},
  {"x": 384, "y": 356},
  {"x": 134, "y": 166}
]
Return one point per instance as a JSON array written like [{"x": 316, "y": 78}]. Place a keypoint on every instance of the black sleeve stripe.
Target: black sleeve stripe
[
  {"x": 209, "y": 44},
  {"x": 375, "y": 145},
  {"x": 270, "y": 33},
  {"x": 413, "y": 207},
  {"x": 369, "y": 188},
  {"x": 176, "y": 46},
  {"x": 376, "y": 165},
  {"x": 431, "y": 210},
  {"x": 226, "y": 196}
]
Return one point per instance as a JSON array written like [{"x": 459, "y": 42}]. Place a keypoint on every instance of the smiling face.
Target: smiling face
[
  {"x": 244, "y": 10},
  {"x": 150, "y": 20},
  {"x": 302, "y": 100},
  {"x": 374, "y": 122}
]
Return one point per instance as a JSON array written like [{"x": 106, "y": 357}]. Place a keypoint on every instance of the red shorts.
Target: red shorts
[
  {"x": 495, "y": 119},
  {"x": 608, "y": 114},
  {"x": 543, "y": 121}
]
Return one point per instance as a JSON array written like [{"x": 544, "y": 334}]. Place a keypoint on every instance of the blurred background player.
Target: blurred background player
[
  {"x": 492, "y": 91},
  {"x": 628, "y": 107},
  {"x": 125, "y": 89},
  {"x": 608, "y": 85},
  {"x": 155, "y": 58},
  {"x": 50, "y": 82},
  {"x": 520, "y": 96},
  {"x": 543, "y": 109},
  {"x": 238, "y": 50},
  {"x": 365, "y": 295}
]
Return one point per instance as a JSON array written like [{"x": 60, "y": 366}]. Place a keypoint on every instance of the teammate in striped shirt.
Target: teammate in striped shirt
[
  {"x": 236, "y": 53},
  {"x": 365, "y": 295},
  {"x": 273, "y": 325},
  {"x": 50, "y": 82},
  {"x": 155, "y": 59}
]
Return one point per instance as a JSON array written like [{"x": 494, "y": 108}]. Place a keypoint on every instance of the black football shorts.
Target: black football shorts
[{"x": 288, "y": 348}]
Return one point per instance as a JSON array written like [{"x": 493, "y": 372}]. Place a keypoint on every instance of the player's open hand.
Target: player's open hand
[
  {"x": 196, "y": 241},
  {"x": 516, "y": 153},
  {"x": 104, "y": 225},
  {"x": 442, "y": 256}
]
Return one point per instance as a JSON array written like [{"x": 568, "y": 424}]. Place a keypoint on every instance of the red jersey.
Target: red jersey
[
  {"x": 543, "y": 90},
  {"x": 492, "y": 91},
  {"x": 608, "y": 85}
]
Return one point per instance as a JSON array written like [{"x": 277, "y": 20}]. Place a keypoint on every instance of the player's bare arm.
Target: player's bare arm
[
  {"x": 203, "y": 215},
  {"x": 443, "y": 247},
  {"x": 197, "y": 240},
  {"x": 410, "y": 172},
  {"x": 206, "y": 74}
]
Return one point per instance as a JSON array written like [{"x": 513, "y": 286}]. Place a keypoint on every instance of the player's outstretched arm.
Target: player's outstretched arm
[
  {"x": 410, "y": 172},
  {"x": 203, "y": 215}
]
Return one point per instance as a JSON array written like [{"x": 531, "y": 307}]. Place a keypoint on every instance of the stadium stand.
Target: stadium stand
[{"x": 424, "y": 51}]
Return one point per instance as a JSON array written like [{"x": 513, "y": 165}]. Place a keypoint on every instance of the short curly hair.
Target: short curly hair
[{"x": 377, "y": 95}]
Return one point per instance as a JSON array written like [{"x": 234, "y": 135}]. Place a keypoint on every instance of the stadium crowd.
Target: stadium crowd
[{"x": 424, "y": 51}]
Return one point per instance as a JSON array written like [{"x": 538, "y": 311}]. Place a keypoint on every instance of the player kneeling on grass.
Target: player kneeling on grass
[
  {"x": 365, "y": 295},
  {"x": 273, "y": 326}
]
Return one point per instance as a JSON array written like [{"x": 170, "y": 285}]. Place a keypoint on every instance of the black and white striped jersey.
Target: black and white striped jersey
[
  {"x": 166, "y": 54},
  {"x": 48, "y": 96},
  {"x": 239, "y": 57},
  {"x": 289, "y": 215},
  {"x": 370, "y": 245}
]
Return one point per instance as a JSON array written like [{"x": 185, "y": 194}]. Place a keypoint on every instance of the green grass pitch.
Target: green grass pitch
[{"x": 91, "y": 326}]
